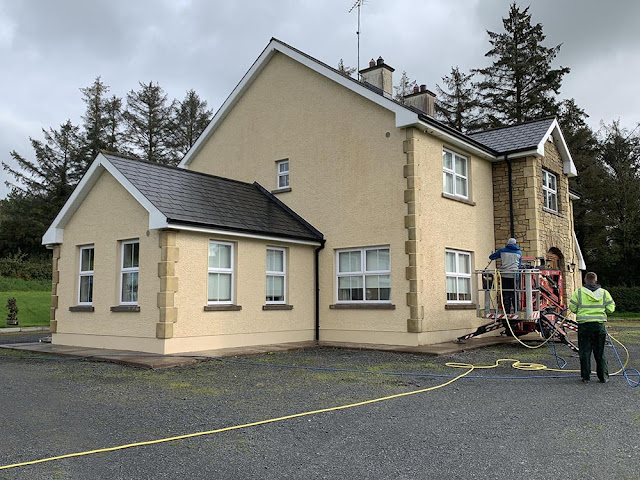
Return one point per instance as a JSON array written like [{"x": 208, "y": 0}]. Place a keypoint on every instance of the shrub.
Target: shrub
[
  {"x": 18, "y": 265},
  {"x": 12, "y": 317},
  {"x": 627, "y": 298}
]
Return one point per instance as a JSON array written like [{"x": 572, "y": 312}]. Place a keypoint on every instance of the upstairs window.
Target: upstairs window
[
  {"x": 85, "y": 295},
  {"x": 550, "y": 190},
  {"x": 364, "y": 275},
  {"x": 220, "y": 289},
  {"x": 455, "y": 179},
  {"x": 129, "y": 272},
  {"x": 283, "y": 173},
  {"x": 458, "y": 273},
  {"x": 276, "y": 275}
]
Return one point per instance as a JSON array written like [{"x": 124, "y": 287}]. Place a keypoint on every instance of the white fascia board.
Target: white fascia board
[
  {"x": 581, "y": 264},
  {"x": 404, "y": 116},
  {"x": 573, "y": 196},
  {"x": 229, "y": 233},
  {"x": 568, "y": 167},
  {"x": 431, "y": 130},
  {"x": 525, "y": 153},
  {"x": 55, "y": 233}
]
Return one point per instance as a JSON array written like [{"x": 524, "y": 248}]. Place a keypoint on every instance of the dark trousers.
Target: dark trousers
[
  {"x": 508, "y": 294},
  {"x": 592, "y": 337}
]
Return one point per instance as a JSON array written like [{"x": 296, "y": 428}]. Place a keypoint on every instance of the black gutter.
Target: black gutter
[
  {"x": 317, "y": 285},
  {"x": 510, "y": 173}
]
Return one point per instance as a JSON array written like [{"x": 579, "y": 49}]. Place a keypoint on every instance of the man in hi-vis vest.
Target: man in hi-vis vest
[{"x": 591, "y": 304}]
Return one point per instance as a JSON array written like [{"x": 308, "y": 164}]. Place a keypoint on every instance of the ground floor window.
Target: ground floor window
[
  {"x": 85, "y": 295},
  {"x": 364, "y": 275},
  {"x": 276, "y": 275},
  {"x": 129, "y": 271},
  {"x": 458, "y": 273},
  {"x": 220, "y": 288}
]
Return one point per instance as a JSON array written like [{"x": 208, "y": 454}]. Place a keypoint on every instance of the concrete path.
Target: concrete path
[{"x": 146, "y": 360}]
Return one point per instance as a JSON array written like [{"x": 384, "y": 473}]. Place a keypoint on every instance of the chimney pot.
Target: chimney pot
[
  {"x": 380, "y": 61},
  {"x": 423, "y": 88},
  {"x": 416, "y": 89},
  {"x": 372, "y": 63}
]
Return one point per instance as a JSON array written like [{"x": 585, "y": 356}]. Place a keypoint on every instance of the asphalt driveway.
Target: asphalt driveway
[{"x": 514, "y": 424}]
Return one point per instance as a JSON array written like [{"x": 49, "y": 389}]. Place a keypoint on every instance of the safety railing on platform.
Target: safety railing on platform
[{"x": 508, "y": 295}]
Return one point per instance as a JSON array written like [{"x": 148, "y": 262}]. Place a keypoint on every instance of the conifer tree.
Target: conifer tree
[
  {"x": 458, "y": 107},
  {"x": 148, "y": 123},
  {"x": 345, "y": 70},
  {"x": 404, "y": 88},
  {"x": 94, "y": 116},
  {"x": 113, "y": 127},
  {"x": 520, "y": 84},
  {"x": 190, "y": 118}
]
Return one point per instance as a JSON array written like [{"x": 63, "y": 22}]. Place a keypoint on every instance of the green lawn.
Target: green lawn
[{"x": 33, "y": 298}]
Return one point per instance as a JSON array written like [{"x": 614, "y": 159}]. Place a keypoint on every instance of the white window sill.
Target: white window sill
[{"x": 458, "y": 199}]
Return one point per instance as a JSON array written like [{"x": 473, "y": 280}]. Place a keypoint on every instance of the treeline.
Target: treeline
[{"x": 145, "y": 124}]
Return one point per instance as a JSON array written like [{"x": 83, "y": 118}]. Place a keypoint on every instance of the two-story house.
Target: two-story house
[{"x": 314, "y": 206}]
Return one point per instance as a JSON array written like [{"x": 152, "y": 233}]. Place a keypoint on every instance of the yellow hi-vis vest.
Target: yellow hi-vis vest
[{"x": 591, "y": 306}]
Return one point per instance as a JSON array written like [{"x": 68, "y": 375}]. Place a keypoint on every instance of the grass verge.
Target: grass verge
[{"x": 33, "y": 308}]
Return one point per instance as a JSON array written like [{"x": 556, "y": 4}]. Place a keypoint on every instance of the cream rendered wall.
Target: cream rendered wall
[
  {"x": 108, "y": 215},
  {"x": 447, "y": 223},
  {"x": 346, "y": 172},
  {"x": 196, "y": 329}
]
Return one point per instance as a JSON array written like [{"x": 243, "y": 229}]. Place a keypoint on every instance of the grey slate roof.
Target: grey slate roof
[
  {"x": 193, "y": 198},
  {"x": 525, "y": 136}
]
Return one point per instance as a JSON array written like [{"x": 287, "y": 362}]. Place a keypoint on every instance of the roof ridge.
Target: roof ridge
[
  {"x": 552, "y": 117},
  {"x": 172, "y": 167}
]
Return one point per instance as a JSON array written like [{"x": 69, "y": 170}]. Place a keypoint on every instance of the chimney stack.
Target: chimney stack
[
  {"x": 422, "y": 99},
  {"x": 380, "y": 75}
]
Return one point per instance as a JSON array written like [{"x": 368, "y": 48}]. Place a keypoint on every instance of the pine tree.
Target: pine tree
[
  {"x": 520, "y": 84},
  {"x": 60, "y": 162},
  {"x": 94, "y": 117},
  {"x": 348, "y": 71},
  {"x": 458, "y": 107},
  {"x": 190, "y": 118},
  {"x": 113, "y": 127},
  {"x": 404, "y": 88},
  {"x": 148, "y": 123}
]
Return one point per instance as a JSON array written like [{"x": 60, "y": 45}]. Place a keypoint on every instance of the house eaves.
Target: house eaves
[
  {"x": 405, "y": 115},
  {"x": 186, "y": 200}
]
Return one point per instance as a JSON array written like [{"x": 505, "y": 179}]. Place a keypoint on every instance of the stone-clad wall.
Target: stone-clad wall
[{"x": 537, "y": 230}]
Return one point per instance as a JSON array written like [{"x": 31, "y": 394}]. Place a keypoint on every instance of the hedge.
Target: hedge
[
  {"x": 627, "y": 298},
  {"x": 29, "y": 268}
]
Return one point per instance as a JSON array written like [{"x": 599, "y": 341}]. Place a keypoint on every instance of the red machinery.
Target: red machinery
[{"x": 539, "y": 304}]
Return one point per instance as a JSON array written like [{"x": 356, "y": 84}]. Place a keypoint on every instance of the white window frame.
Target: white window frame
[
  {"x": 222, "y": 270},
  {"x": 85, "y": 273},
  {"x": 362, "y": 273},
  {"x": 282, "y": 175},
  {"x": 458, "y": 275},
  {"x": 548, "y": 192},
  {"x": 452, "y": 171},
  {"x": 283, "y": 274},
  {"x": 124, "y": 270}
]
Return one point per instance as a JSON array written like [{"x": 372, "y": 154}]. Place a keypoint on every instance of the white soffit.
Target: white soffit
[
  {"x": 54, "y": 233},
  {"x": 568, "y": 167}
]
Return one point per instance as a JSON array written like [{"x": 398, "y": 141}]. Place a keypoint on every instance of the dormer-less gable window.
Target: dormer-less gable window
[
  {"x": 283, "y": 173},
  {"x": 550, "y": 190},
  {"x": 455, "y": 177}
]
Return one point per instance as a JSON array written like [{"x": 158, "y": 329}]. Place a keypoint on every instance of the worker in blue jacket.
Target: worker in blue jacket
[{"x": 510, "y": 262}]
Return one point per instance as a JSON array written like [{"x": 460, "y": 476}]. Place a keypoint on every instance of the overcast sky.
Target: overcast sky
[{"x": 49, "y": 49}]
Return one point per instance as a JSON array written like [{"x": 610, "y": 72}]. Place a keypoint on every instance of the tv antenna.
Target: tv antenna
[{"x": 357, "y": 4}]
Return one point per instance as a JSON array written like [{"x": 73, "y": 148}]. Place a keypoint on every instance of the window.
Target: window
[
  {"x": 458, "y": 272},
  {"x": 283, "y": 173},
  {"x": 276, "y": 275},
  {"x": 220, "y": 288},
  {"x": 454, "y": 174},
  {"x": 85, "y": 295},
  {"x": 364, "y": 275},
  {"x": 550, "y": 190},
  {"x": 129, "y": 272}
]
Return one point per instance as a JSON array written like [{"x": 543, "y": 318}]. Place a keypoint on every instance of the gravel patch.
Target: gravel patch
[{"x": 489, "y": 428}]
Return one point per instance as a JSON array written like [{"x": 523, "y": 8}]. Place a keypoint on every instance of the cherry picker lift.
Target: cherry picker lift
[{"x": 539, "y": 304}]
